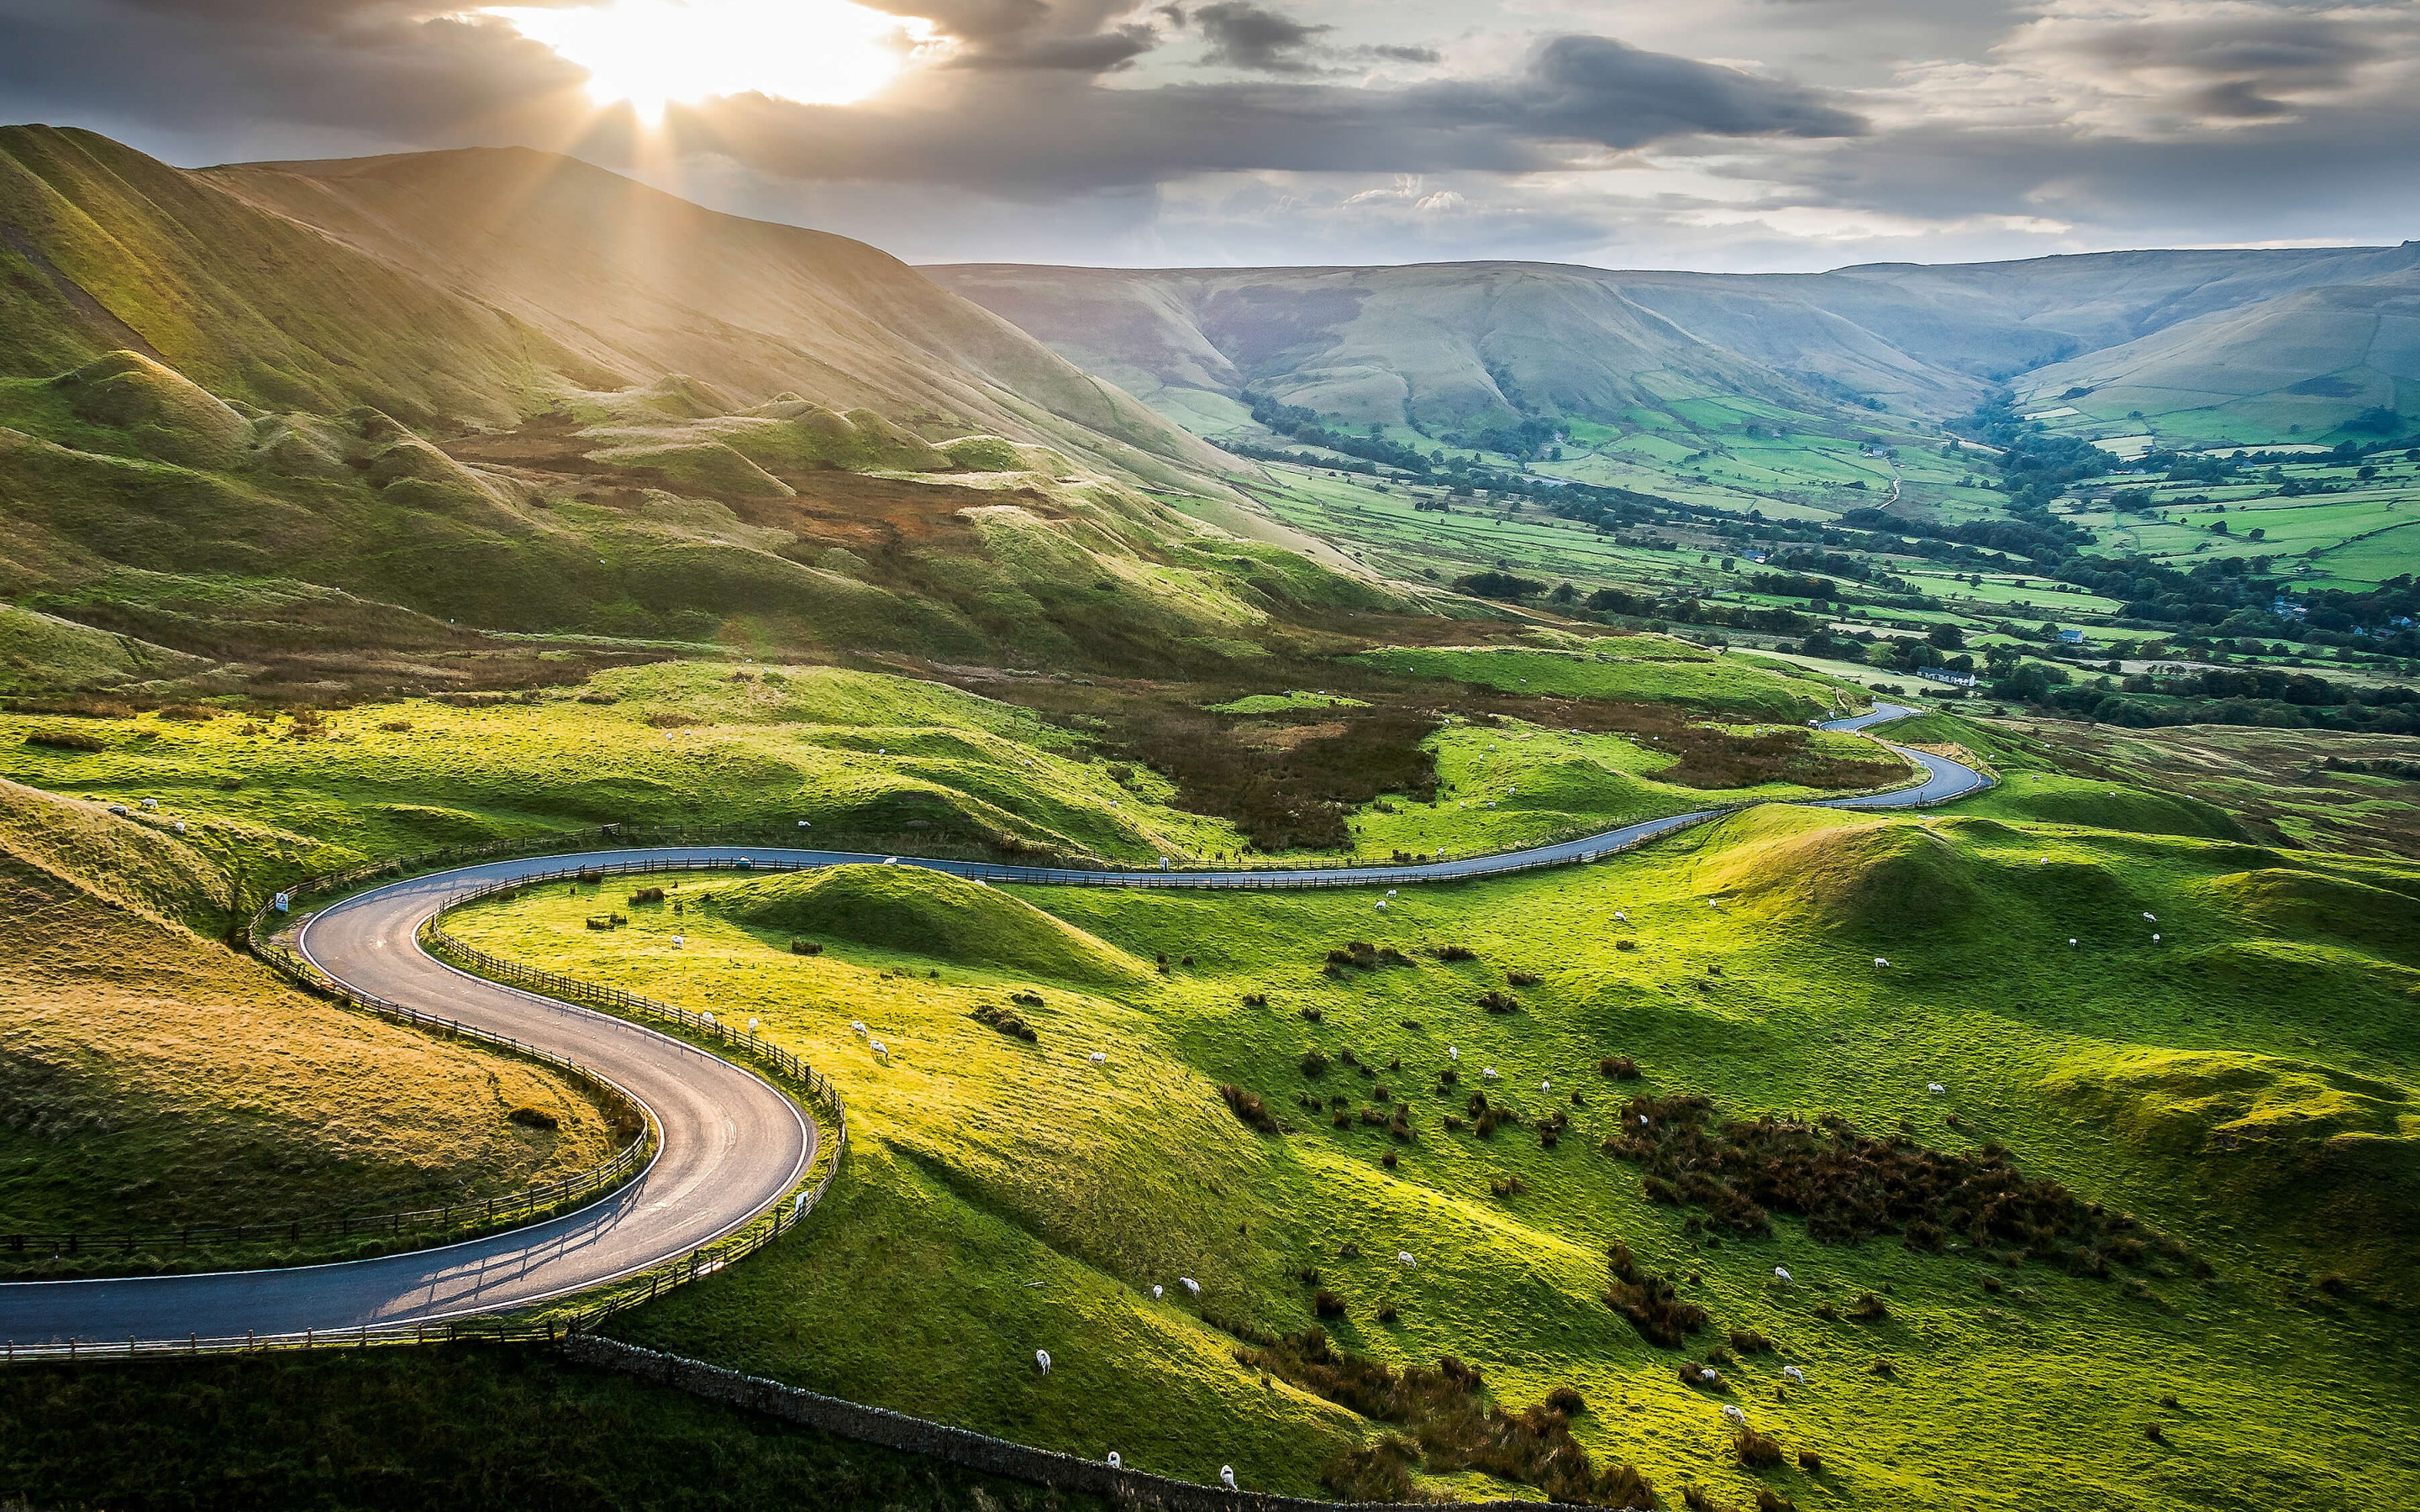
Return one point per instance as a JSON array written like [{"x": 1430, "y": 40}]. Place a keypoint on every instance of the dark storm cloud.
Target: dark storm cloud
[
  {"x": 1406, "y": 55},
  {"x": 1245, "y": 36}
]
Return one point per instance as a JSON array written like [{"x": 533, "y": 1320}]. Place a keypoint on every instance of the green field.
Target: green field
[{"x": 2242, "y": 1086}]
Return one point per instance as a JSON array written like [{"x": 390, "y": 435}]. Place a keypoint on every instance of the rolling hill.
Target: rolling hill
[
  {"x": 298, "y": 417},
  {"x": 1456, "y": 343}
]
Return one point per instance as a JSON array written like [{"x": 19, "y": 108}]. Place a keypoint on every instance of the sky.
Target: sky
[{"x": 1732, "y": 135}]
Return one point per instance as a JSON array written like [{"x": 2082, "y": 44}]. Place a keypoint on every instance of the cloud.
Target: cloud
[{"x": 1245, "y": 36}]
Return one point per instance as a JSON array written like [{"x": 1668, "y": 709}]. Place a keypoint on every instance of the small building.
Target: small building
[
  {"x": 2071, "y": 638},
  {"x": 1943, "y": 674}
]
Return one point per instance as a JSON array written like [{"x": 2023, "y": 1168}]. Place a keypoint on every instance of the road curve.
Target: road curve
[{"x": 732, "y": 1144}]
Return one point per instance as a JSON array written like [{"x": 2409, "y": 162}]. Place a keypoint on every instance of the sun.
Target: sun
[{"x": 653, "y": 51}]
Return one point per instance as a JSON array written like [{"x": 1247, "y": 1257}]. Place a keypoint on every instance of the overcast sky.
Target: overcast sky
[{"x": 1726, "y": 135}]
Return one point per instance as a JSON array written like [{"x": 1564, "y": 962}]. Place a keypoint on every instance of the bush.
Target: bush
[
  {"x": 1016, "y": 1029},
  {"x": 1621, "y": 1068},
  {"x": 1755, "y": 1450},
  {"x": 1327, "y": 1304},
  {"x": 1869, "y": 1308},
  {"x": 1748, "y": 1341},
  {"x": 1769, "y": 1500},
  {"x": 1506, "y": 1186},
  {"x": 648, "y": 895},
  {"x": 1314, "y": 1063},
  {"x": 1523, "y": 979},
  {"x": 1810, "y": 1461},
  {"x": 66, "y": 740},
  {"x": 1456, "y": 952},
  {"x": 1652, "y": 1301},
  {"x": 1496, "y": 1002},
  {"x": 530, "y": 1117}
]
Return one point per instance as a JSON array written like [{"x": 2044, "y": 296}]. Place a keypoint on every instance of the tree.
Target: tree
[{"x": 1945, "y": 636}]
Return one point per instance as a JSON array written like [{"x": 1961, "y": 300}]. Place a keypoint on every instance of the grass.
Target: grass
[
  {"x": 458, "y": 1427},
  {"x": 152, "y": 1080},
  {"x": 1645, "y": 669},
  {"x": 984, "y": 1164}
]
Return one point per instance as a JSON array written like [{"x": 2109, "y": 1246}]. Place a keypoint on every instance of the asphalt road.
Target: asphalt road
[{"x": 732, "y": 1144}]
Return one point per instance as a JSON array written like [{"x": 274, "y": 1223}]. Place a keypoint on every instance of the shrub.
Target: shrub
[
  {"x": 1456, "y": 952},
  {"x": 1256, "y": 999},
  {"x": 1748, "y": 1341},
  {"x": 1016, "y": 1029},
  {"x": 1388, "y": 1159},
  {"x": 1810, "y": 1461},
  {"x": 1386, "y": 1313},
  {"x": 1448, "y": 1076},
  {"x": 66, "y": 740},
  {"x": 1652, "y": 1301},
  {"x": 647, "y": 895},
  {"x": 1327, "y": 1304},
  {"x": 1523, "y": 979},
  {"x": 1769, "y": 1500},
  {"x": 1311, "y": 1014},
  {"x": 1625, "y": 945},
  {"x": 1869, "y": 1308},
  {"x": 1755, "y": 1450},
  {"x": 1566, "y": 1400},
  {"x": 805, "y": 948},
  {"x": 198, "y": 713},
  {"x": 1508, "y": 1186},
  {"x": 1314, "y": 1063},
  {"x": 1621, "y": 1068},
  {"x": 1496, "y": 1002},
  {"x": 530, "y": 1117}
]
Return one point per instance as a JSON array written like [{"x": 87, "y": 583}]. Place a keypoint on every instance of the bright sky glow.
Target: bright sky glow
[{"x": 652, "y": 52}]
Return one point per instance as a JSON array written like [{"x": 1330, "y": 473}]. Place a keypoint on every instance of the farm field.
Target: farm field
[{"x": 1006, "y": 1194}]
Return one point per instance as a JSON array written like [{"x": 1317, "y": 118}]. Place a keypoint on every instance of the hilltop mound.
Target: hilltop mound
[
  {"x": 169, "y": 415},
  {"x": 928, "y": 913},
  {"x": 707, "y": 464},
  {"x": 124, "y": 861},
  {"x": 2134, "y": 810},
  {"x": 2333, "y": 1154},
  {"x": 2283, "y": 901},
  {"x": 1876, "y": 877}
]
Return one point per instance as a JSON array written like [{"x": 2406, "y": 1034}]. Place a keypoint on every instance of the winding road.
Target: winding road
[{"x": 732, "y": 1144}]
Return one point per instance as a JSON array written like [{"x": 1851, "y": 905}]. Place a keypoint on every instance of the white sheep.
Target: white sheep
[
  {"x": 1382, "y": 905},
  {"x": 751, "y": 1025},
  {"x": 1621, "y": 916},
  {"x": 1404, "y": 1257},
  {"x": 856, "y": 1026},
  {"x": 1116, "y": 1463},
  {"x": 1042, "y": 1358},
  {"x": 879, "y": 1048},
  {"x": 1642, "y": 1120},
  {"x": 1156, "y": 1293},
  {"x": 1709, "y": 1375},
  {"x": 1794, "y": 1373},
  {"x": 1227, "y": 1476},
  {"x": 1192, "y": 1287},
  {"x": 2155, "y": 939},
  {"x": 180, "y": 829},
  {"x": 1546, "y": 1086},
  {"x": 1739, "y": 1419},
  {"x": 1781, "y": 1276},
  {"x": 2151, "y": 918},
  {"x": 152, "y": 806},
  {"x": 1489, "y": 1073},
  {"x": 679, "y": 940},
  {"x": 1935, "y": 1088},
  {"x": 1451, "y": 1054},
  {"x": 1391, "y": 891},
  {"x": 1881, "y": 961},
  {"x": 2070, "y": 939},
  {"x": 1098, "y": 1058}
]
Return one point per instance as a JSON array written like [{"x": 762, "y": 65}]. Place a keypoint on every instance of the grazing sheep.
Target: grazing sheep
[
  {"x": 152, "y": 806},
  {"x": 2150, "y": 917},
  {"x": 1710, "y": 1376},
  {"x": 1451, "y": 1054},
  {"x": 2070, "y": 939},
  {"x": 856, "y": 1026},
  {"x": 1935, "y": 1088},
  {"x": 1489, "y": 1073},
  {"x": 1391, "y": 891},
  {"x": 1781, "y": 1276},
  {"x": 1099, "y": 1059},
  {"x": 2155, "y": 939},
  {"x": 1227, "y": 1476},
  {"x": 879, "y": 1048},
  {"x": 1156, "y": 1293},
  {"x": 180, "y": 829},
  {"x": 1621, "y": 916},
  {"x": 1042, "y": 1358},
  {"x": 1642, "y": 1120},
  {"x": 1794, "y": 1373},
  {"x": 1192, "y": 1287},
  {"x": 1381, "y": 906},
  {"x": 679, "y": 940},
  {"x": 1882, "y": 961},
  {"x": 1404, "y": 1257},
  {"x": 1739, "y": 1419},
  {"x": 1546, "y": 1086},
  {"x": 1116, "y": 1463}
]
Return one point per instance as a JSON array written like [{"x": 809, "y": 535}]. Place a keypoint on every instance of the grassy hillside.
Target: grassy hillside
[
  {"x": 437, "y": 1427},
  {"x": 2233, "y": 1099},
  {"x": 152, "y": 1080}
]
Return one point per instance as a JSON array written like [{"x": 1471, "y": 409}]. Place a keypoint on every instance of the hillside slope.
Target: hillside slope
[{"x": 1451, "y": 343}]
